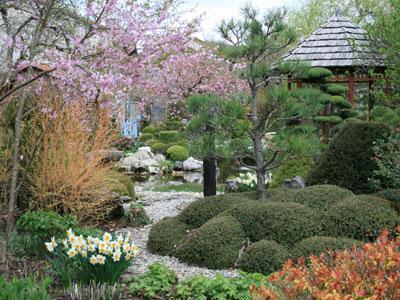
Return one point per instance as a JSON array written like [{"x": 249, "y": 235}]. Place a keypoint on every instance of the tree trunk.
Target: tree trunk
[
  {"x": 210, "y": 176},
  {"x": 257, "y": 145},
  {"x": 14, "y": 179}
]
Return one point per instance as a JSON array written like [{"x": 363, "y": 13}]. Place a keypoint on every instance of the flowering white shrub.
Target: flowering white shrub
[
  {"x": 249, "y": 180},
  {"x": 91, "y": 259}
]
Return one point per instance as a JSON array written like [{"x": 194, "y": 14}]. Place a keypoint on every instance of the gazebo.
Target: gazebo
[{"x": 344, "y": 48}]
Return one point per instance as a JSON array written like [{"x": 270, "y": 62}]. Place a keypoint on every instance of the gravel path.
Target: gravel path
[{"x": 158, "y": 206}]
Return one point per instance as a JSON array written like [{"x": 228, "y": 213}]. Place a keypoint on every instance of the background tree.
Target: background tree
[
  {"x": 253, "y": 43},
  {"x": 217, "y": 126}
]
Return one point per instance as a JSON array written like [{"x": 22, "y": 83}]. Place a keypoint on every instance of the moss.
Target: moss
[
  {"x": 165, "y": 235},
  {"x": 360, "y": 217},
  {"x": 214, "y": 245},
  {"x": 263, "y": 257}
]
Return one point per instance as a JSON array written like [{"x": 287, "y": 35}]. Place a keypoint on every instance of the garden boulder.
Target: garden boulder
[
  {"x": 296, "y": 183},
  {"x": 141, "y": 160},
  {"x": 192, "y": 164}
]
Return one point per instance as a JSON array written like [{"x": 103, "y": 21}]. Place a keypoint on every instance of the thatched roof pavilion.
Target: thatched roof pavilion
[{"x": 344, "y": 48}]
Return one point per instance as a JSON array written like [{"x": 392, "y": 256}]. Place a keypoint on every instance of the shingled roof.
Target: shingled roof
[{"x": 338, "y": 43}]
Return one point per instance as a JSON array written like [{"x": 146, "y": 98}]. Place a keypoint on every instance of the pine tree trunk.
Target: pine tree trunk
[{"x": 210, "y": 176}]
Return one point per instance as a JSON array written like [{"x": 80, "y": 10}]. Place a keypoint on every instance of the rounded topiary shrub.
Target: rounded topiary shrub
[
  {"x": 169, "y": 136},
  {"x": 361, "y": 218},
  {"x": 321, "y": 196},
  {"x": 146, "y": 136},
  {"x": 349, "y": 162},
  {"x": 178, "y": 153},
  {"x": 159, "y": 147},
  {"x": 263, "y": 257},
  {"x": 281, "y": 194},
  {"x": 166, "y": 235},
  {"x": 316, "y": 245},
  {"x": 392, "y": 195},
  {"x": 214, "y": 245},
  {"x": 149, "y": 129},
  {"x": 299, "y": 166},
  {"x": 151, "y": 142},
  {"x": 199, "y": 212},
  {"x": 288, "y": 223},
  {"x": 136, "y": 215}
]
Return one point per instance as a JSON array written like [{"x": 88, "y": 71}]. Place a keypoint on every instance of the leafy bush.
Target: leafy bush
[
  {"x": 367, "y": 273},
  {"x": 159, "y": 147},
  {"x": 169, "y": 136},
  {"x": 263, "y": 257},
  {"x": 215, "y": 245},
  {"x": 82, "y": 260},
  {"x": 151, "y": 142},
  {"x": 149, "y": 129},
  {"x": 360, "y": 217},
  {"x": 317, "y": 73},
  {"x": 146, "y": 136},
  {"x": 321, "y": 196},
  {"x": 199, "y": 212},
  {"x": 348, "y": 162},
  {"x": 136, "y": 215},
  {"x": 155, "y": 283},
  {"x": 202, "y": 288},
  {"x": 24, "y": 289},
  {"x": 336, "y": 89},
  {"x": 178, "y": 153},
  {"x": 40, "y": 226},
  {"x": 281, "y": 194},
  {"x": 300, "y": 166},
  {"x": 316, "y": 245},
  {"x": 166, "y": 235},
  {"x": 386, "y": 115},
  {"x": 391, "y": 195},
  {"x": 288, "y": 223},
  {"x": 387, "y": 157}
]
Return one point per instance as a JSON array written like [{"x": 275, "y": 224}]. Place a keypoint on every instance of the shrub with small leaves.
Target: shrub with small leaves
[
  {"x": 264, "y": 257},
  {"x": 299, "y": 166},
  {"x": 149, "y": 129},
  {"x": 156, "y": 283},
  {"x": 166, "y": 235},
  {"x": 214, "y": 245},
  {"x": 178, "y": 153},
  {"x": 316, "y": 245},
  {"x": 360, "y": 218},
  {"x": 169, "y": 136},
  {"x": 392, "y": 195},
  {"x": 146, "y": 136},
  {"x": 136, "y": 215},
  {"x": 159, "y": 147}
]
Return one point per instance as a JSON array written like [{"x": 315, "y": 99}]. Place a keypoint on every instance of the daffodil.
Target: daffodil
[
  {"x": 107, "y": 237},
  {"x": 101, "y": 259},
  {"x": 91, "y": 248},
  {"x": 93, "y": 260},
  {"x": 116, "y": 256},
  {"x": 49, "y": 247},
  {"x": 72, "y": 252},
  {"x": 65, "y": 243},
  {"x": 70, "y": 232}
]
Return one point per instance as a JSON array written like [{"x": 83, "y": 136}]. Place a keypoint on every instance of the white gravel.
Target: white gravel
[{"x": 160, "y": 205}]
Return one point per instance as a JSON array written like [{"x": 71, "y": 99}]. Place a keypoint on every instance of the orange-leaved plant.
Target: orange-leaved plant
[{"x": 369, "y": 272}]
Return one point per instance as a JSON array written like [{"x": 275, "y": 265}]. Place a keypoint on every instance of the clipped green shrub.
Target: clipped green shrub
[
  {"x": 146, "y": 136},
  {"x": 24, "y": 289},
  {"x": 155, "y": 283},
  {"x": 214, "y": 245},
  {"x": 149, "y": 129},
  {"x": 199, "y": 212},
  {"x": 165, "y": 235},
  {"x": 169, "y": 136},
  {"x": 336, "y": 89},
  {"x": 263, "y": 257},
  {"x": 392, "y": 195},
  {"x": 317, "y": 73},
  {"x": 360, "y": 217},
  {"x": 321, "y": 196},
  {"x": 136, "y": 215},
  {"x": 349, "y": 162},
  {"x": 300, "y": 166},
  {"x": 288, "y": 223},
  {"x": 316, "y": 245},
  {"x": 178, "y": 153},
  {"x": 151, "y": 142},
  {"x": 280, "y": 194},
  {"x": 159, "y": 147}
]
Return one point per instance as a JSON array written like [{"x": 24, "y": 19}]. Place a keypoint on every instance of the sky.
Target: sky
[{"x": 216, "y": 10}]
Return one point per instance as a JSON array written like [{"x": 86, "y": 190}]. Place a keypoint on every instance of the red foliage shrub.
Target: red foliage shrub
[{"x": 372, "y": 272}]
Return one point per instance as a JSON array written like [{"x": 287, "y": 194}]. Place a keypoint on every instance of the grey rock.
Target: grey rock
[
  {"x": 192, "y": 164},
  {"x": 154, "y": 170},
  {"x": 232, "y": 185},
  {"x": 159, "y": 158},
  {"x": 296, "y": 183},
  {"x": 124, "y": 199},
  {"x": 193, "y": 177},
  {"x": 178, "y": 166},
  {"x": 141, "y": 160}
]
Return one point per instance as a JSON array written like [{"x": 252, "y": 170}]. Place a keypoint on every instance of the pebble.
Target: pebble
[{"x": 158, "y": 206}]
